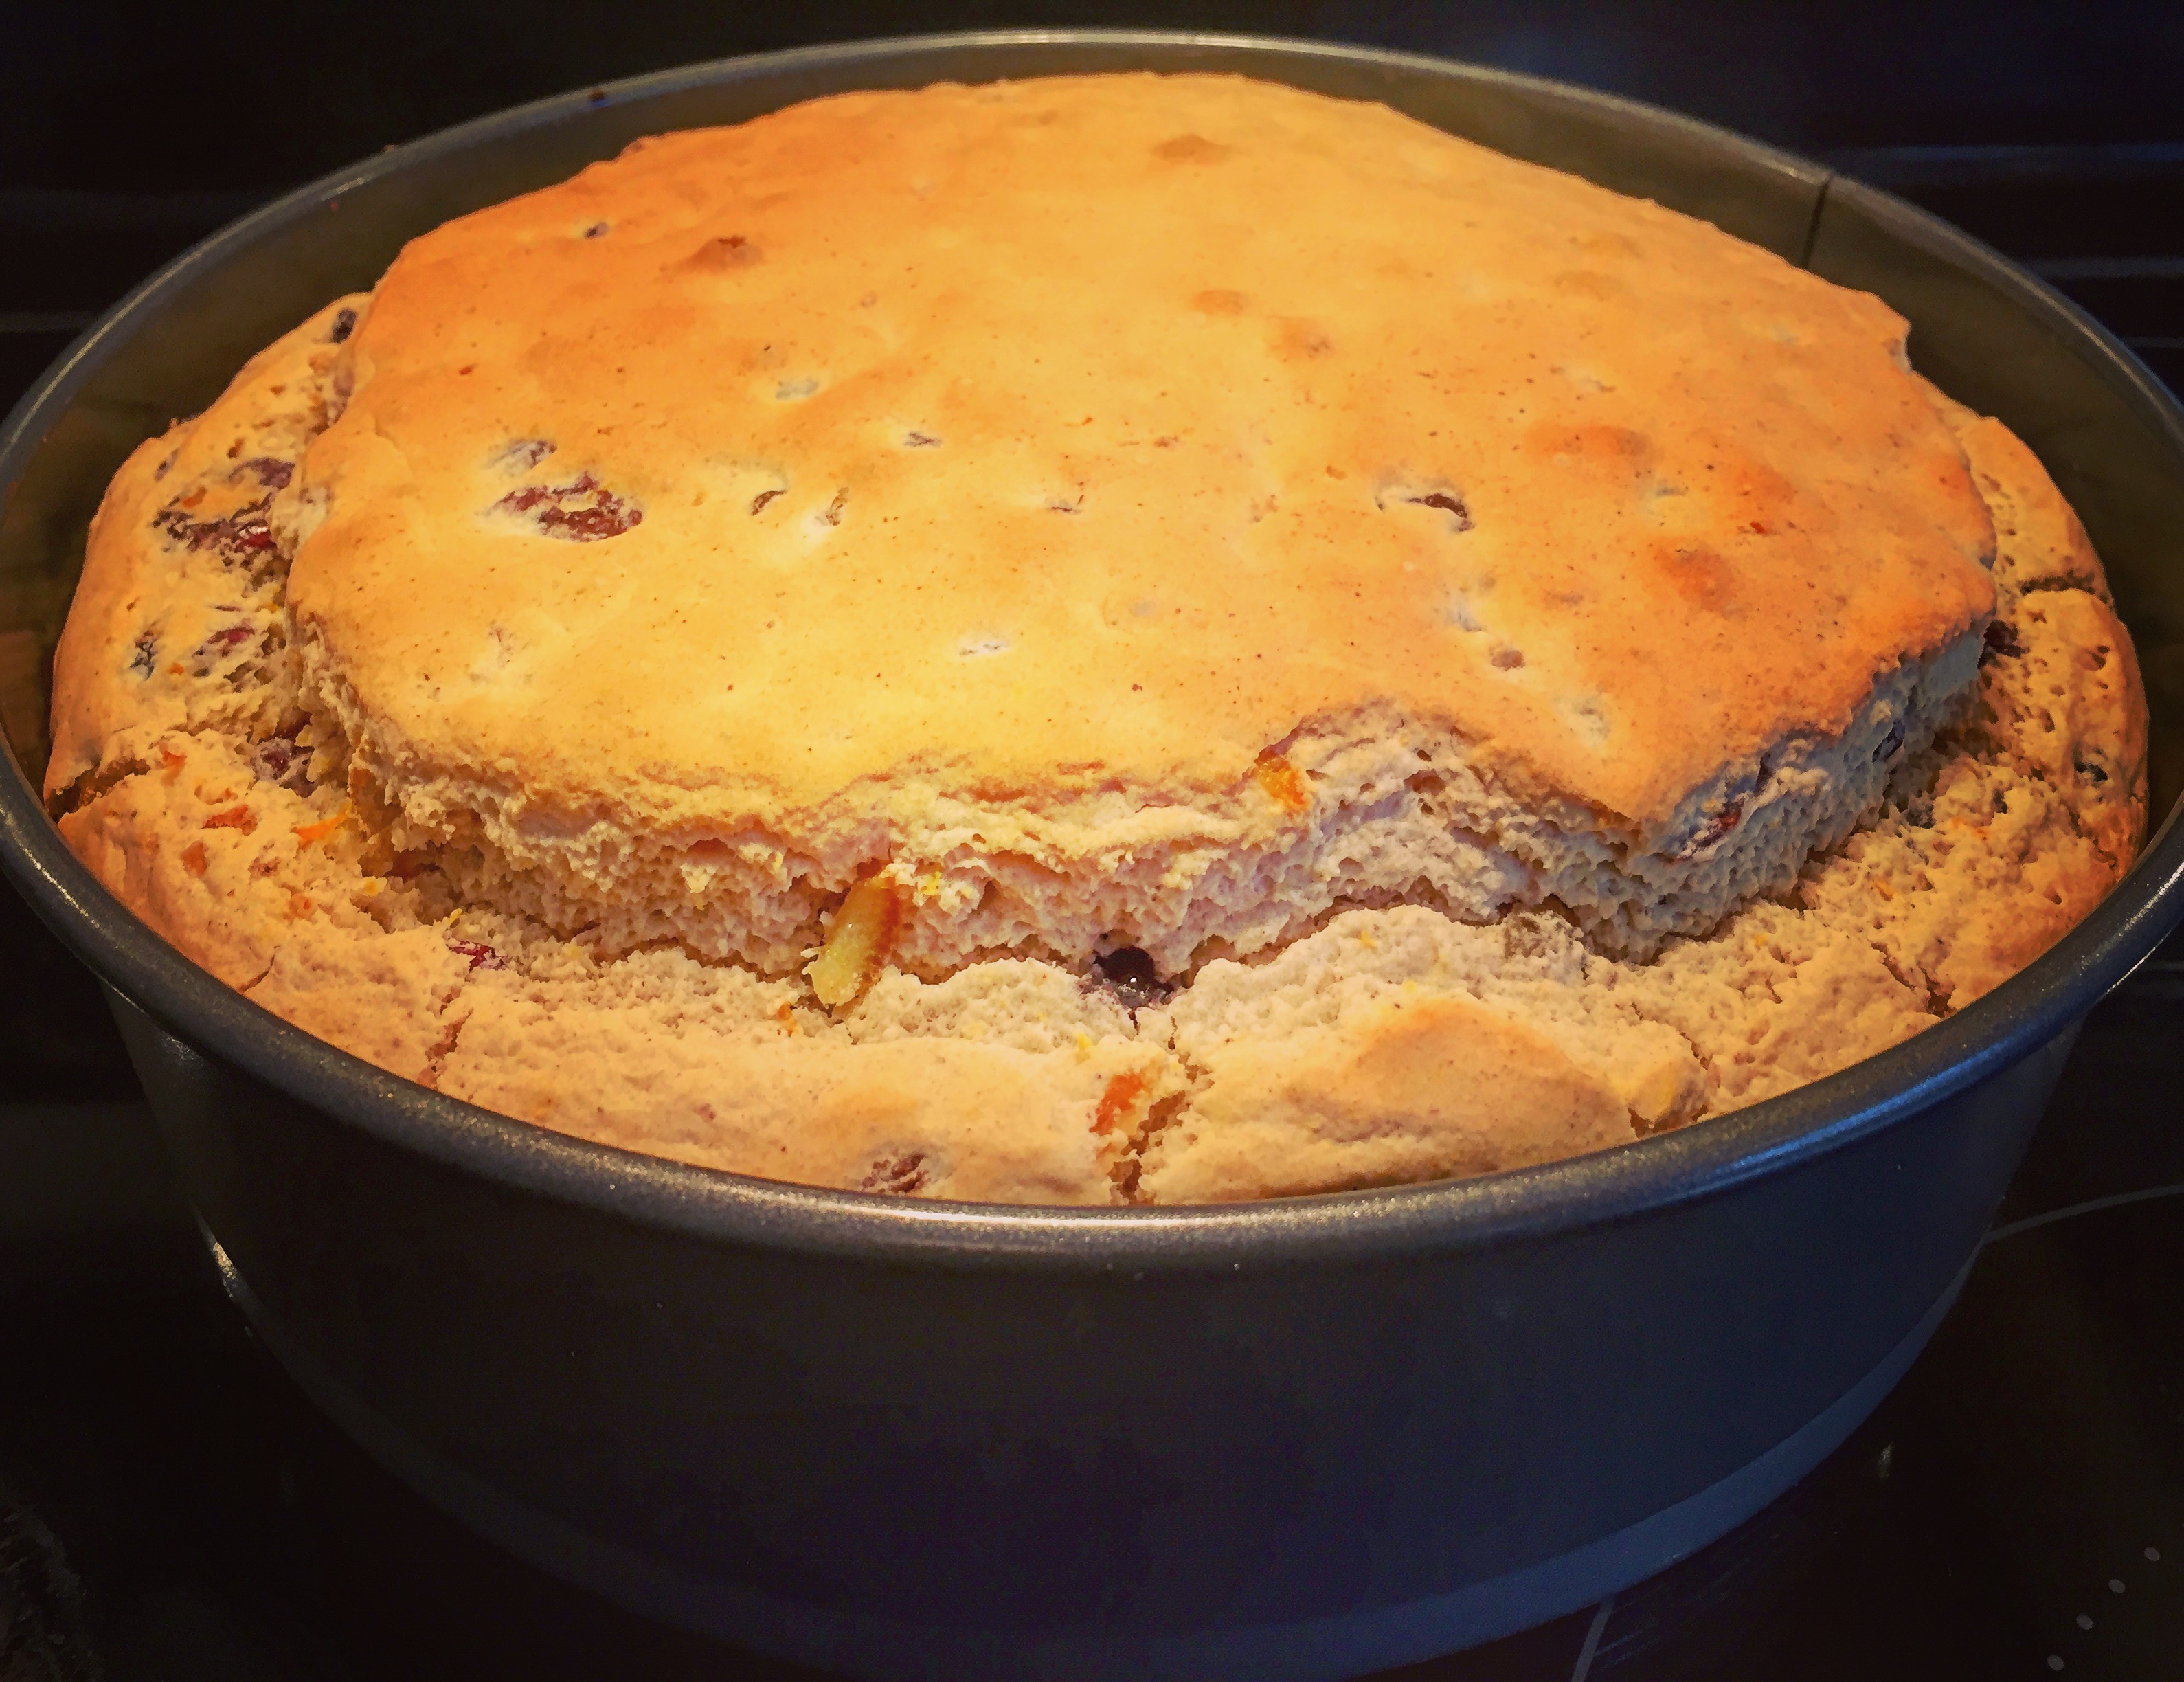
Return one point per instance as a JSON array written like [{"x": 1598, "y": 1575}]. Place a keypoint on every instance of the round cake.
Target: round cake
[{"x": 1120, "y": 638}]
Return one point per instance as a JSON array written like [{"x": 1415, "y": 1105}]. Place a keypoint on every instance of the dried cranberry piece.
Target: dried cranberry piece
[
  {"x": 1127, "y": 973},
  {"x": 218, "y": 646},
  {"x": 272, "y": 473},
  {"x": 481, "y": 956},
  {"x": 898, "y": 1175},
  {"x": 344, "y": 325},
  {"x": 238, "y": 536},
  {"x": 582, "y": 511},
  {"x": 279, "y": 760},
  {"x": 1447, "y": 504}
]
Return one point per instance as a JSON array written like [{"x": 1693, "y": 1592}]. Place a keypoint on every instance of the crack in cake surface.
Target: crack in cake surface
[{"x": 1174, "y": 880}]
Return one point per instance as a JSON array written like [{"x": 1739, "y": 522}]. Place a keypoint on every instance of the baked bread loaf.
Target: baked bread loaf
[{"x": 1105, "y": 638}]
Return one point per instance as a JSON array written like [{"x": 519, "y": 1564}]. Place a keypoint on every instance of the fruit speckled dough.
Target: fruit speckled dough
[{"x": 1106, "y": 638}]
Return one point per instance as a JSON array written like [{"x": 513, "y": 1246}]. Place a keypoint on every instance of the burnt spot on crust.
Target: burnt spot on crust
[
  {"x": 759, "y": 501},
  {"x": 1126, "y": 973},
  {"x": 1890, "y": 743},
  {"x": 2000, "y": 638},
  {"x": 596, "y": 230},
  {"x": 144, "y": 660},
  {"x": 582, "y": 511},
  {"x": 915, "y": 440},
  {"x": 481, "y": 956},
  {"x": 344, "y": 325},
  {"x": 1507, "y": 658},
  {"x": 896, "y": 1176}
]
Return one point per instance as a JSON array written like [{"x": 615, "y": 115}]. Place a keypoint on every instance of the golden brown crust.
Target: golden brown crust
[
  {"x": 993, "y": 445},
  {"x": 88, "y": 708},
  {"x": 174, "y": 565},
  {"x": 1401, "y": 1089}
]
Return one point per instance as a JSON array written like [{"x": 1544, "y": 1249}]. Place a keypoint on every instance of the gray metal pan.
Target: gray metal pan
[{"x": 900, "y": 1439}]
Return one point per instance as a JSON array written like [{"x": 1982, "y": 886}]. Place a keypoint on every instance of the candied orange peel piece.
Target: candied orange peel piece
[
  {"x": 1119, "y": 1102},
  {"x": 306, "y": 834},
  {"x": 863, "y": 934},
  {"x": 1284, "y": 783}
]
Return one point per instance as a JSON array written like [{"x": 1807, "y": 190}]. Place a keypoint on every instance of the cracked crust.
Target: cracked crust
[{"x": 1357, "y": 1044}]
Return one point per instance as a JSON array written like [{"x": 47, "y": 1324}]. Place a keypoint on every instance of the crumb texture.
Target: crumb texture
[{"x": 1219, "y": 739}]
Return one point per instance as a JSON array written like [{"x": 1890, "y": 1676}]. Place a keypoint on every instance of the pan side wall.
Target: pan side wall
[{"x": 1010, "y": 1450}]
